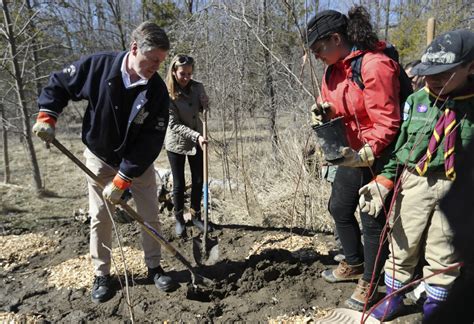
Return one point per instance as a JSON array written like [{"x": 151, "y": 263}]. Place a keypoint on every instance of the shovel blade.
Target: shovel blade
[{"x": 208, "y": 255}]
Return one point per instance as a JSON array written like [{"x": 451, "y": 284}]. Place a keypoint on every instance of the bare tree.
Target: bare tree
[
  {"x": 387, "y": 18},
  {"x": 6, "y": 158},
  {"x": 115, "y": 7},
  {"x": 269, "y": 80},
  {"x": 189, "y": 6},
  {"x": 35, "y": 49},
  {"x": 10, "y": 36}
]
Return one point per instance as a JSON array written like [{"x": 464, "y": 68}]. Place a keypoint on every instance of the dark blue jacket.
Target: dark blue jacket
[{"x": 97, "y": 78}]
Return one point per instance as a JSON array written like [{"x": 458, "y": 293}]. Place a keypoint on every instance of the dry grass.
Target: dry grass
[{"x": 275, "y": 188}]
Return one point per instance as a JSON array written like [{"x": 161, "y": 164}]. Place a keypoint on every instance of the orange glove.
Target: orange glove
[
  {"x": 373, "y": 195},
  {"x": 44, "y": 127},
  {"x": 114, "y": 190}
]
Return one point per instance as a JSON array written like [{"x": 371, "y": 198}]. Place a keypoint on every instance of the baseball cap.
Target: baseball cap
[{"x": 446, "y": 52}]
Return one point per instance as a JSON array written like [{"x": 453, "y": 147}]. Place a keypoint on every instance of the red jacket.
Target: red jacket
[{"x": 371, "y": 115}]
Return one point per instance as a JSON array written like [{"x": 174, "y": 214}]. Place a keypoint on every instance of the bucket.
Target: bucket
[{"x": 331, "y": 137}]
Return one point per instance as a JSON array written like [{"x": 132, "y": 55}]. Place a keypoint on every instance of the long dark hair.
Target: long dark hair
[{"x": 359, "y": 30}]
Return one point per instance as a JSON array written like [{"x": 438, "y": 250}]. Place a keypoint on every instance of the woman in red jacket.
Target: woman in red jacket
[{"x": 372, "y": 118}]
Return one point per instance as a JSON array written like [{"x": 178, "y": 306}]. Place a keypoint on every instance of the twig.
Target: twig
[
  {"x": 127, "y": 288},
  {"x": 246, "y": 22}
]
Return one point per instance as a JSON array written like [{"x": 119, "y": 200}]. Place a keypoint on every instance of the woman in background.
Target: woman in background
[{"x": 184, "y": 138}]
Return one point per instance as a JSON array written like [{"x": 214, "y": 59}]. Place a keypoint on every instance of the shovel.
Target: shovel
[
  {"x": 205, "y": 249},
  {"x": 196, "y": 279}
]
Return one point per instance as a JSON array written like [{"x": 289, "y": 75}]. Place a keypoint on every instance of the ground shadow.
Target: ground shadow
[{"x": 296, "y": 230}]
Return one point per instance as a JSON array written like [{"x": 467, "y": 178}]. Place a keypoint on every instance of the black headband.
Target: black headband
[{"x": 323, "y": 24}]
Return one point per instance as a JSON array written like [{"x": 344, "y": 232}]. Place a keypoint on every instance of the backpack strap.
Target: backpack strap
[
  {"x": 356, "y": 68},
  {"x": 328, "y": 73}
]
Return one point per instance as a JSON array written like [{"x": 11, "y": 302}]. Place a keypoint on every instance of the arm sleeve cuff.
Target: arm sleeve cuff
[
  {"x": 387, "y": 183},
  {"x": 45, "y": 117},
  {"x": 121, "y": 181}
]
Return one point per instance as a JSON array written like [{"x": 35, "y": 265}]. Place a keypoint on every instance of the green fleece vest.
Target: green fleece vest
[{"x": 420, "y": 114}]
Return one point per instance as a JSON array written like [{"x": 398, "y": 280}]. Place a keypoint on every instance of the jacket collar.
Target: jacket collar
[
  {"x": 116, "y": 66},
  {"x": 467, "y": 93},
  {"x": 355, "y": 52}
]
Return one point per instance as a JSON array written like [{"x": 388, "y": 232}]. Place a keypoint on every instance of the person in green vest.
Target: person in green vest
[{"x": 438, "y": 123}]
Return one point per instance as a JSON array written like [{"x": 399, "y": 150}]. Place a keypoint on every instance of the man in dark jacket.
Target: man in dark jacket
[{"x": 123, "y": 129}]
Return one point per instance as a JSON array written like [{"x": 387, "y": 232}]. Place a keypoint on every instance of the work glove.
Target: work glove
[
  {"x": 351, "y": 158},
  {"x": 319, "y": 113},
  {"x": 373, "y": 195},
  {"x": 120, "y": 215},
  {"x": 44, "y": 127},
  {"x": 114, "y": 191}
]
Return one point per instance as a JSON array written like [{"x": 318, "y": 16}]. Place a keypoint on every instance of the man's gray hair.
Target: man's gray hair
[{"x": 149, "y": 36}]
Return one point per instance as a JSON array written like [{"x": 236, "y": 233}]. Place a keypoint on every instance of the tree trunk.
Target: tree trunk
[
  {"x": 19, "y": 87},
  {"x": 34, "y": 45},
  {"x": 189, "y": 4},
  {"x": 6, "y": 158},
  {"x": 387, "y": 19},
  {"x": 145, "y": 10},
  {"x": 117, "y": 13},
  {"x": 269, "y": 82},
  {"x": 316, "y": 6},
  {"x": 378, "y": 15}
]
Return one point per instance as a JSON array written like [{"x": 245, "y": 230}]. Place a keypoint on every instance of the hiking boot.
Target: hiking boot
[
  {"x": 161, "y": 280},
  {"x": 429, "y": 307},
  {"x": 101, "y": 289},
  {"x": 198, "y": 223},
  {"x": 180, "y": 227},
  {"x": 393, "y": 306},
  {"x": 360, "y": 295},
  {"x": 436, "y": 295},
  {"x": 343, "y": 272},
  {"x": 339, "y": 257}
]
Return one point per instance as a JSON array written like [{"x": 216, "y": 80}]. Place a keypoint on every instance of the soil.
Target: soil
[{"x": 264, "y": 273}]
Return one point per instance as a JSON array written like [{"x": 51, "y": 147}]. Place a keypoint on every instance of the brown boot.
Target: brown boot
[
  {"x": 343, "y": 272},
  {"x": 361, "y": 294}
]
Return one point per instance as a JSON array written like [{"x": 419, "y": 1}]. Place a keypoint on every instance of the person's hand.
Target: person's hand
[
  {"x": 204, "y": 99},
  {"x": 114, "y": 190},
  {"x": 319, "y": 113},
  {"x": 202, "y": 141},
  {"x": 351, "y": 158},
  {"x": 373, "y": 195},
  {"x": 44, "y": 127}
]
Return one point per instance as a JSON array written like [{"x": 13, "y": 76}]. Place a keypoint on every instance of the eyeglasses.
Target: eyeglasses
[{"x": 184, "y": 60}]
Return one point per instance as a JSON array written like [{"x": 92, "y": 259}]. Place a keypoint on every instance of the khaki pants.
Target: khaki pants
[
  {"x": 417, "y": 223},
  {"x": 144, "y": 192}
]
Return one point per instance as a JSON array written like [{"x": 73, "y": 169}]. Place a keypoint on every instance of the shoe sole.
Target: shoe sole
[
  {"x": 356, "y": 305},
  {"x": 100, "y": 301},
  {"x": 333, "y": 279},
  {"x": 166, "y": 288}
]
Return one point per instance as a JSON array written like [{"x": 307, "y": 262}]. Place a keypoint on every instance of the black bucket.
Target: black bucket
[{"x": 331, "y": 137}]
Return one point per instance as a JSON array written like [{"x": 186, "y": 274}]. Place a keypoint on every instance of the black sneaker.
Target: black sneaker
[
  {"x": 101, "y": 289},
  {"x": 161, "y": 280}
]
